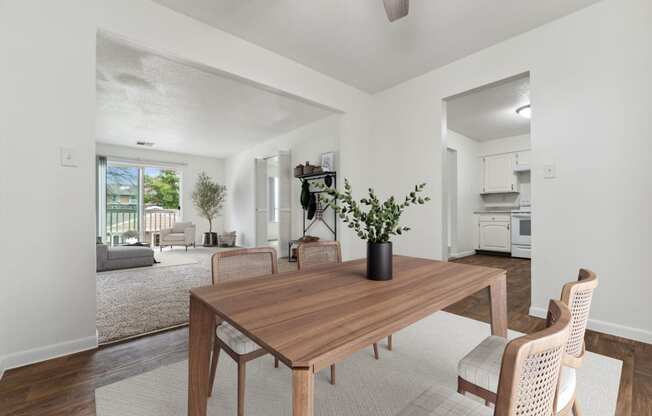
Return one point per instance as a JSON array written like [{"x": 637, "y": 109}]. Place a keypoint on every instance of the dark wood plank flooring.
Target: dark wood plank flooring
[{"x": 65, "y": 386}]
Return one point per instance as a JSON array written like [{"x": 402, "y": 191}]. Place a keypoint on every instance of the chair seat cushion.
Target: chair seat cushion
[
  {"x": 235, "y": 339},
  {"x": 482, "y": 367},
  {"x": 441, "y": 401},
  {"x": 174, "y": 237}
]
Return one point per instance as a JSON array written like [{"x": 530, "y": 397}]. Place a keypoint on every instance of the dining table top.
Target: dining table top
[{"x": 314, "y": 318}]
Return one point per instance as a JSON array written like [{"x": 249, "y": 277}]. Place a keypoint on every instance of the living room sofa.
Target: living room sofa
[{"x": 123, "y": 257}]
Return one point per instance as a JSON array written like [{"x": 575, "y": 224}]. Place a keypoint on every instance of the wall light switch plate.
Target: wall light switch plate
[
  {"x": 549, "y": 171},
  {"x": 68, "y": 157}
]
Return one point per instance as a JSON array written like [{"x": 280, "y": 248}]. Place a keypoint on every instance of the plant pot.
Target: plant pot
[
  {"x": 379, "y": 261},
  {"x": 210, "y": 240}
]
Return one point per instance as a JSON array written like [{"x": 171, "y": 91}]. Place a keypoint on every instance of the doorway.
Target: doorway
[
  {"x": 486, "y": 169},
  {"x": 272, "y": 217}
]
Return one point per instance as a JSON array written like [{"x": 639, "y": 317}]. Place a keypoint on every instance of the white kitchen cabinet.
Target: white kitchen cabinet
[
  {"x": 523, "y": 157},
  {"x": 498, "y": 174},
  {"x": 494, "y": 233},
  {"x": 522, "y": 162}
]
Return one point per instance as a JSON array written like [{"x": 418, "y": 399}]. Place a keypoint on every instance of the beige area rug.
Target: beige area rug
[
  {"x": 138, "y": 301},
  {"x": 425, "y": 355}
]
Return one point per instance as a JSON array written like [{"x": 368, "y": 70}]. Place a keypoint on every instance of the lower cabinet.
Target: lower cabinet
[{"x": 494, "y": 233}]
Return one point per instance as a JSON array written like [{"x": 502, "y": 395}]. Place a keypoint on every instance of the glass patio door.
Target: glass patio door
[
  {"x": 140, "y": 201},
  {"x": 161, "y": 200},
  {"x": 123, "y": 202}
]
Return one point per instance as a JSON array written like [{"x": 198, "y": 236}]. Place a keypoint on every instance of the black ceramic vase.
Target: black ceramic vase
[{"x": 379, "y": 261}]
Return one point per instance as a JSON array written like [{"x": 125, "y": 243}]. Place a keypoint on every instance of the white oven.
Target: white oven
[{"x": 521, "y": 234}]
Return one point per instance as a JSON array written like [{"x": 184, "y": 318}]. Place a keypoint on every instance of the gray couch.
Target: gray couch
[{"x": 123, "y": 257}]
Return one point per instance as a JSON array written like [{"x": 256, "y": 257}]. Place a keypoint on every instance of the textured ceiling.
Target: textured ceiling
[
  {"x": 353, "y": 41},
  {"x": 143, "y": 96},
  {"x": 490, "y": 112}
]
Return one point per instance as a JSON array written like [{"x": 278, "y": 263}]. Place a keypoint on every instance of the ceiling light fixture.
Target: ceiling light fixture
[
  {"x": 144, "y": 143},
  {"x": 525, "y": 111}
]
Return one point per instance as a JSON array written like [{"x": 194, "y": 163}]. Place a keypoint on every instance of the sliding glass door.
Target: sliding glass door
[
  {"x": 122, "y": 204},
  {"x": 140, "y": 201},
  {"x": 161, "y": 200}
]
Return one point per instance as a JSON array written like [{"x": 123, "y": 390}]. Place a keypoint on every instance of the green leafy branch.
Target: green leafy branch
[{"x": 371, "y": 219}]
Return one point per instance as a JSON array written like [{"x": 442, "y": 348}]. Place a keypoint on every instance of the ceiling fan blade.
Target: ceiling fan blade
[{"x": 396, "y": 9}]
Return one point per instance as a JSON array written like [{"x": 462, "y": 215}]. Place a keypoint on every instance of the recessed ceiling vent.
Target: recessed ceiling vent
[{"x": 144, "y": 143}]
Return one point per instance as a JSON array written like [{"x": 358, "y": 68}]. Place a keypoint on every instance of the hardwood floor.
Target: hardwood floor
[{"x": 65, "y": 386}]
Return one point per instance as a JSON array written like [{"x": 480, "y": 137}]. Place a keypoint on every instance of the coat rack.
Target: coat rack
[{"x": 320, "y": 211}]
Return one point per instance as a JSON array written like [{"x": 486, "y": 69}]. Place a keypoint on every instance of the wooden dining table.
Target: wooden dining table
[{"x": 312, "y": 319}]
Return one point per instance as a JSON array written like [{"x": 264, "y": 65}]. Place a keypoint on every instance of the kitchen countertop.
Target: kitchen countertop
[{"x": 494, "y": 211}]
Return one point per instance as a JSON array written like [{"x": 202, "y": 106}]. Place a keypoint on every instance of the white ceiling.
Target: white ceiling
[
  {"x": 185, "y": 109},
  {"x": 353, "y": 41},
  {"x": 490, "y": 112}
]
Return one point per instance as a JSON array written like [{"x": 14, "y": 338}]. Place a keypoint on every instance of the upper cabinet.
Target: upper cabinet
[
  {"x": 522, "y": 163},
  {"x": 498, "y": 173}
]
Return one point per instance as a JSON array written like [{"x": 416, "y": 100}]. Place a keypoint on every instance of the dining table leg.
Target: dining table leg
[
  {"x": 498, "y": 294},
  {"x": 303, "y": 392},
  {"x": 200, "y": 339}
]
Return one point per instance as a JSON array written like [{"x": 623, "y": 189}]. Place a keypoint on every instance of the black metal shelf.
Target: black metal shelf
[
  {"x": 317, "y": 175},
  {"x": 310, "y": 177}
]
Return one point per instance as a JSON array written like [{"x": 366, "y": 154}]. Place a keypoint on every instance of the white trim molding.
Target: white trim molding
[
  {"x": 22, "y": 358},
  {"x": 2, "y": 367},
  {"x": 461, "y": 254},
  {"x": 610, "y": 328}
]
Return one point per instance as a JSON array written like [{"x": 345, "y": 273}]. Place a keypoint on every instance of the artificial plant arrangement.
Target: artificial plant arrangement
[
  {"x": 374, "y": 221},
  {"x": 208, "y": 197}
]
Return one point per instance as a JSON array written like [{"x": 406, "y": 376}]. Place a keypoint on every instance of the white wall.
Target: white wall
[
  {"x": 306, "y": 143},
  {"x": 47, "y": 79},
  {"x": 504, "y": 145},
  {"x": 190, "y": 167},
  {"x": 3, "y": 348},
  {"x": 591, "y": 94},
  {"x": 468, "y": 191}
]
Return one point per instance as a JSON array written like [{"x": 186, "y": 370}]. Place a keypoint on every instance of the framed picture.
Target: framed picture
[{"x": 328, "y": 162}]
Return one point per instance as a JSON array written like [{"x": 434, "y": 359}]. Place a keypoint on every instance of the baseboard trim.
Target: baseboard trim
[
  {"x": 610, "y": 328},
  {"x": 22, "y": 358},
  {"x": 2, "y": 367},
  {"x": 461, "y": 254}
]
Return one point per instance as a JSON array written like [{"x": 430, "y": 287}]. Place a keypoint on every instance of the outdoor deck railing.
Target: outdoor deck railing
[{"x": 123, "y": 218}]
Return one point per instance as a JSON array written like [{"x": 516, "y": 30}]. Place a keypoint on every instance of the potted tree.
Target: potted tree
[
  {"x": 208, "y": 197},
  {"x": 374, "y": 221}
]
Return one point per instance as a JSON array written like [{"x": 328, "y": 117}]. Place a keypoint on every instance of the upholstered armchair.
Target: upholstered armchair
[{"x": 181, "y": 234}]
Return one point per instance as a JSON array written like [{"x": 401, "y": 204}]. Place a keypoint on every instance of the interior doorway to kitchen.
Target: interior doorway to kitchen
[
  {"x": 487, "y": 171},
  {"x": 487, "y": 206}
]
